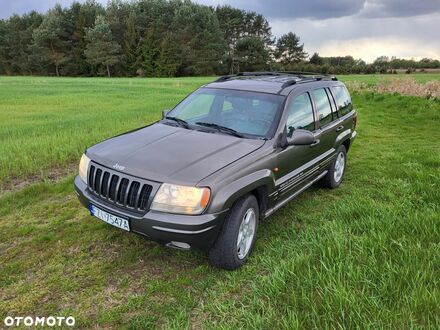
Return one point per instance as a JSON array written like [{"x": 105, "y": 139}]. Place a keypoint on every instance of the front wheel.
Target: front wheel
[
  {"x": 336, "y": 171},
  {"x": 237, "y": 238}
]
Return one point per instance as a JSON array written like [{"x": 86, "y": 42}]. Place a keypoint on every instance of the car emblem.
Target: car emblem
[{"x": 118, "y": 167}]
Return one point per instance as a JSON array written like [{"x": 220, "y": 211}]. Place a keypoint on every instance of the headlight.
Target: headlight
[
  {"x": 180, "y": 199},
  {"x": 83, "y": 167}
]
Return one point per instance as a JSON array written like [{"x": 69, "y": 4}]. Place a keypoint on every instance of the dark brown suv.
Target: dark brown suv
[{"x": 227, "y": 156}]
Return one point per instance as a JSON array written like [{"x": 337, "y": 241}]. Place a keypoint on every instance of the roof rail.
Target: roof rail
[
  {"x": 299, "y": 74},
  {"x": 306, "y": 79},
  {"x": 248, "y": 74}
]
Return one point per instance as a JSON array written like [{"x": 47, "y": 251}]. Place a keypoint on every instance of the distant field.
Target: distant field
[
  {"x": 374, "y": 78},
  {"x": 365, "y": 255}
]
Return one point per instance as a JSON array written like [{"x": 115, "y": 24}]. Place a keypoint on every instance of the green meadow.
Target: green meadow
[{"x": 366, "y": 255}]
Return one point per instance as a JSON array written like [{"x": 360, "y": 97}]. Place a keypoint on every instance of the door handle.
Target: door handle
[
  {"x": 340, "y": 128},
  {"x": 315, "y": 143}
]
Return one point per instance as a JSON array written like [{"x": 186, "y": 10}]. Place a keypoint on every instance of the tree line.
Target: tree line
[{"x": 160, "y": 38}]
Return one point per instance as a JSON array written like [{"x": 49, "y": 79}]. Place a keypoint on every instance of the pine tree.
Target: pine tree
[
  {"x": 131, "y": 44},
  {"x": 83, "y": 17},
  {"x": 101, "y": 49},
  {"x": 168, "y": 61},
  {"x": 289, "y": 50},
  {"x": 149, "y": 53},
  {"x": 316, "y": 59},
  {"x": 52, "y": 38},
  {"x": 252, "y": 54}
]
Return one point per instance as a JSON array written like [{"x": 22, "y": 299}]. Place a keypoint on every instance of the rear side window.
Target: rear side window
[
  {"x": 323, "y": 108},
  {"x": 300, "y": 114},
  {"x": 343, "y": 100}
]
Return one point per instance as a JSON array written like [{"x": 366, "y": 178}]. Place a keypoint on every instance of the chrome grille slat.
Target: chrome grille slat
[
  {"x": 113, "y": 185},
  {"x": 104, "y": 184},
  {"x": 143, "y": 199},
  {"x": 91, "y": 175},
  {"x": 97, "y": 180},
  {"x": 132, "y": 194},
  {"x": 122, "y": 191},
  {"x": 138, "y": 195},
  {"x": 119, "y": 189}
]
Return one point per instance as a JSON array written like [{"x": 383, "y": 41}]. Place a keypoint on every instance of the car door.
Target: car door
[
  {"x": 327, "y": 124},
  {"x": 295, "y": 163}
]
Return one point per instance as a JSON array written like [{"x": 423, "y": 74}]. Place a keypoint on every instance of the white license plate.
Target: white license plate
[{"x": 109, "y": 218}]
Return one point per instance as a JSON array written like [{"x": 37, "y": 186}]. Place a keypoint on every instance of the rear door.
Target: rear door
[{"x": 328, "y": 124}]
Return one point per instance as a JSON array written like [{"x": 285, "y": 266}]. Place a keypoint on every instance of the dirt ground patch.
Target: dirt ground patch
[{"x": 52, "y": 175}]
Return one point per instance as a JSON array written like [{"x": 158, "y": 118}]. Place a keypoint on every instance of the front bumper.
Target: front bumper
[{"x": 199, "y": 231}]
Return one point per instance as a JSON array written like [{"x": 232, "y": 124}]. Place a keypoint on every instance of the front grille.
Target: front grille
[{"x": 119, "y": 189}]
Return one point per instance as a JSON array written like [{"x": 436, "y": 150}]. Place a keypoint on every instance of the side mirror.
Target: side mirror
[
  {"x": 301, "y": 137},
  {"x": 165, "y": 113}
]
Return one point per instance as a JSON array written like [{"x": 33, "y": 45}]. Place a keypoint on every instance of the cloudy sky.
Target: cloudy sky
[{"x": 363, "y": 28}]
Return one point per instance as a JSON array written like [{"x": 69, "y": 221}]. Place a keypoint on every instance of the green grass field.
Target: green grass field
[{"x": 366, "y": 255}]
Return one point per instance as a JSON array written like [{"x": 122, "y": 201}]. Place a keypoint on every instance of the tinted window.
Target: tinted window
[
  {"x": 323, "y": 108},
  {"x": 343, "y": 100},
  {"x": 196, "y": 106},
  {"x": 300, "y": 114},
  {"x": 246, "y": 112}
]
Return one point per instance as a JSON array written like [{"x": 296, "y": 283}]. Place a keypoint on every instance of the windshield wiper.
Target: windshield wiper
[
  {"x": 181, "y": 122},
  {"x": 221, "y": 128}
]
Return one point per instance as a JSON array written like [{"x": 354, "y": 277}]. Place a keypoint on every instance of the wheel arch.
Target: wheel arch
[
  {"x": 260, "y": 184},
  {"x": 346, "y": 143},
  {"x": 343, "y": 139}
]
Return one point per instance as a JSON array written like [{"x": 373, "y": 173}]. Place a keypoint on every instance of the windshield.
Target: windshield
[{"x": 247, "y": 113}]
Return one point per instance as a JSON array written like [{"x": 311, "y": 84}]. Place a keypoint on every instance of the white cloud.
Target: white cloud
[
  {"x": 367, "y": 38},
  {"x": 370, "y": 48}
]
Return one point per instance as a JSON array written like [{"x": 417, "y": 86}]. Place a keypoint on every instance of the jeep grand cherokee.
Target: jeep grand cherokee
[{"x": 226, "y": 157}]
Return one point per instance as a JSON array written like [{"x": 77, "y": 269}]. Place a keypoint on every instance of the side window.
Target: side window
[
  {"x": 300, "y": 114},
  {"x": 323, "y": 108},
  {"x": 343, "y": 100}
]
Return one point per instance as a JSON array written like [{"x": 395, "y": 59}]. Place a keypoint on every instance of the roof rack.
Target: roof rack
[
  {"x": 248, "y": 74},
  {"x": 303, "y": 75}
]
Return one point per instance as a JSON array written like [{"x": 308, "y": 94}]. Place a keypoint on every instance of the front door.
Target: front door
[{"x": 296, "y": 163}]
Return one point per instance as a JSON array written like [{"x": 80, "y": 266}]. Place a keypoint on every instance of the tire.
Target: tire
[
  {"x": 226, "y": 252},
  {"x": 334, "y": 176}
]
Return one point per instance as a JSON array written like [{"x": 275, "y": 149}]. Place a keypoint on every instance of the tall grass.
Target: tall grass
[
  {"x": 48, "y": 122},
  {"x": 403, "y": 86}
]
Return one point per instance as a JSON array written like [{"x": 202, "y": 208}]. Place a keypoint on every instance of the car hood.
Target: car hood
[{"x": 165, "y": 153}]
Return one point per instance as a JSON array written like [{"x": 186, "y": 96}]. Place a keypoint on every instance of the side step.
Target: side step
[{"x": 284, "y": 202}]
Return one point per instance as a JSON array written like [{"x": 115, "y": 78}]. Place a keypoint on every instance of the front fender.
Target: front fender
[{"x": 227, "y": 195}]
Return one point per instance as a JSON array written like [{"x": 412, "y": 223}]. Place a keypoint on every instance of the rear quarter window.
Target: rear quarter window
[
  {"x": 342, "y": 99},
  {"x": 323, "y": 108}
]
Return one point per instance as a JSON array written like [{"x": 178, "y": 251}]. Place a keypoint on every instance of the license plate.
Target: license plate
[{"x": 109, "y": 218}]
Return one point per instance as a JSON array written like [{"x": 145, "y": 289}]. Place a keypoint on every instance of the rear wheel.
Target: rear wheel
[
  {"x": 336, "y": 171},
  {"x": 237, "y": 238}
]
